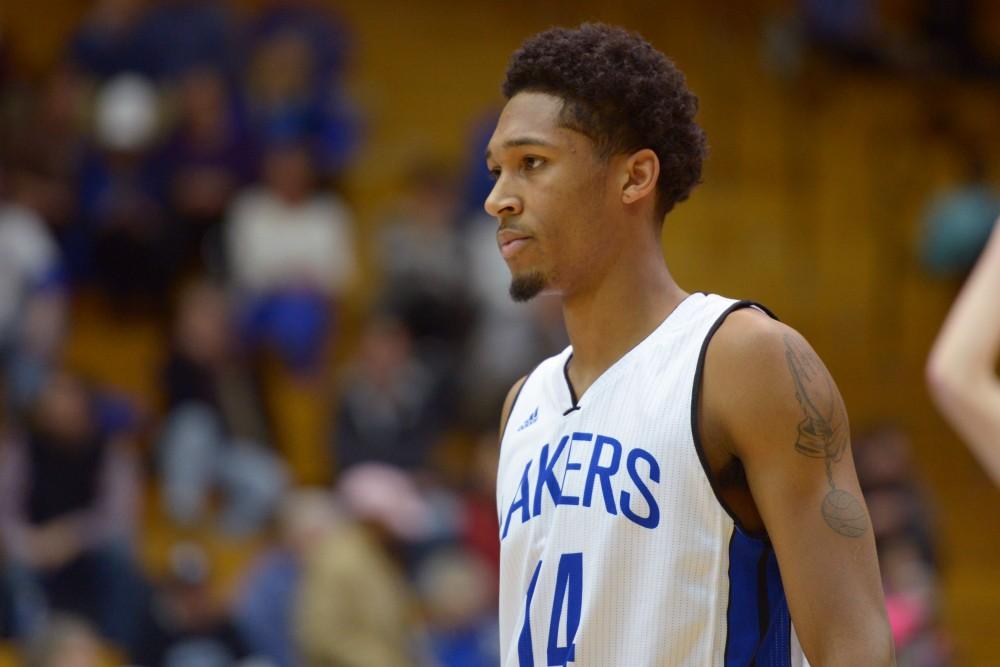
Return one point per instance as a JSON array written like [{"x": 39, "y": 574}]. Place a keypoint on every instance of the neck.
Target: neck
[{"x": 604, "y": 323}]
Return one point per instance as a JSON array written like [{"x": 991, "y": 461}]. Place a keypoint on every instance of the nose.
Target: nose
[{"x": 501, "y": 203}]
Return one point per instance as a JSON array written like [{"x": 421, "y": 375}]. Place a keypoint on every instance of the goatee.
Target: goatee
[{"x": 526, "y": 287}]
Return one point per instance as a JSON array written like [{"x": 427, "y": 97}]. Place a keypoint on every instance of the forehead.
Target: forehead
[{"x": 531, "y": 117}]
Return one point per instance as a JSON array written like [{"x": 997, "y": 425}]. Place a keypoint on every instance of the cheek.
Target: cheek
[
  {"x": 569, "y": 210},
  {"x": 591, "y": 238}
]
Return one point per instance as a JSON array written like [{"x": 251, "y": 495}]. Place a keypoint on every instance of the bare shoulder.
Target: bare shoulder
[
  {"x": 747, "y": 346},
  {"x": 760, "y": 370},
  {"x": 749, "y": 343},
  {"x": 508, "y": 404}
]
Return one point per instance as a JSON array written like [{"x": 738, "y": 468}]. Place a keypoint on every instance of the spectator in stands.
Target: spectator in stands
[
  {"x": 354, "y": 606},
  {"x": 44, "y": 145},
  {"x": 161, "y": 40},
  {"x": 913, "y": 604},
  {"x": 480, "y": 525},
  {"x": 333, "y": 592},
  {"x": 186, "y": 624},
  {"x": 297, "y": 54},
  {"x": 65, "y": 641},
  {"x": 457, "y": 592},
  {"x": 214, "y": 432},
  {"x": 180, "y": 35},
  {"x": 326, "y": 37},
  {"x": 389, "y": 410},
  {"x": 70, "y": 496},
  {"x": 32, "y": 303},
  {"x": 903, "y": 523},
  {"x": 292, "y": 255},
  {"x": 897, "y": 502},
  {"x": 109, "y": 41},
  {"x": 420, "y": 254},
  {"x": 265, "y": 605},
  {"x": 208, "y": 157},
  {"x": 124, "y": 237}
]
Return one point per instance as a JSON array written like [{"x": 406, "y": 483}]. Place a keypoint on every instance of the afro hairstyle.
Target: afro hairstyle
[{"x": 621, "y": 93}]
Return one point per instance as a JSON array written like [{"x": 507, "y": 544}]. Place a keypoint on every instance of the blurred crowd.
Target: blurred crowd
[
  {"x": 183, "y": 165},
  {"x": 905, "y": 528}
]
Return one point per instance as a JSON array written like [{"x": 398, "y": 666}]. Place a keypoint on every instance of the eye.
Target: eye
[
  {"x": 494, "y": 173},
  {"x": 531, "y": 162}
]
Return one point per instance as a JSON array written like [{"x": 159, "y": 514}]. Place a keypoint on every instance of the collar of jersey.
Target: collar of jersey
[{"x": 560, "y": 392}]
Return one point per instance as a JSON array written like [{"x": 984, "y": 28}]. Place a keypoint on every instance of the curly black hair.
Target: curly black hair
[{"x": 622, "y": 93}]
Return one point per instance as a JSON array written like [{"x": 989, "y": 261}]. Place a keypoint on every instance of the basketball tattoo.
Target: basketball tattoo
[{"x": 824, "y": 434}]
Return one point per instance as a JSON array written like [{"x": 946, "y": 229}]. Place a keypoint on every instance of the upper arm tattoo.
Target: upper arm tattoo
[{"x": 824, "y": 434}]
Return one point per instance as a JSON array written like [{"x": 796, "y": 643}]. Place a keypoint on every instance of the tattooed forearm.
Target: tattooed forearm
[{"x": 823, "y": 434}]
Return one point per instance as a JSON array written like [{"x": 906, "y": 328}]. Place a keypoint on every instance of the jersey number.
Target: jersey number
[{"x": 569, "y": 594}]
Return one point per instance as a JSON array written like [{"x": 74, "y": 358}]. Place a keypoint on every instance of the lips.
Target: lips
[{"x": 510, "y": 242}]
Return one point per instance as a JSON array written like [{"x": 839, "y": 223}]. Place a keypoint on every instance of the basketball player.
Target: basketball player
[
  {"x": 961, "y": 370},
  {"x": 675, "y": 488}
]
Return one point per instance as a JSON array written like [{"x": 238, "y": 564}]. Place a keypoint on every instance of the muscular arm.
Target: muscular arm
[
  {"x": 961, "y": 368},
  {"x": 780, "y": 413}
]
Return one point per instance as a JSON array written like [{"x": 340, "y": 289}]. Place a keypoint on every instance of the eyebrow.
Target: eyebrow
[{"x": 522, "y": 141}]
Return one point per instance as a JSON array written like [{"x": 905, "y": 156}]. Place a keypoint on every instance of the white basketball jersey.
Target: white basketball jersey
[{"x": 615, "y": 551}]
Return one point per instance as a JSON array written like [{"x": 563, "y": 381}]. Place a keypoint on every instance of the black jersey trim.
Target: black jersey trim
[
  {"x": 574, "y": 401},
  {"x": 513, "y": 403},
  {"x": 695, "y": 399}
]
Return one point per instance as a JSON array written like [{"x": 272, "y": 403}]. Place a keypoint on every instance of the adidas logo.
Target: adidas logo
[{"x": 532, "y": 418}]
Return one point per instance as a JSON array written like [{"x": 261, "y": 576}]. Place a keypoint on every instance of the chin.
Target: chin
[{"x": 527, "y": 286}]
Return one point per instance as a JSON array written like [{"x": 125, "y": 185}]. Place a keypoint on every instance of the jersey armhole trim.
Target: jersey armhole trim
[
  {"x": 513, "y": 403},
  {"x": 695, "y": 399}
]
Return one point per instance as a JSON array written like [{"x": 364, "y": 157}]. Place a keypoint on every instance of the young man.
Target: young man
[{"x": 672, "y": 478}]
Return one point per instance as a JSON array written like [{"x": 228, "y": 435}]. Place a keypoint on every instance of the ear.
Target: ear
[{"x": 641, "y": 171}]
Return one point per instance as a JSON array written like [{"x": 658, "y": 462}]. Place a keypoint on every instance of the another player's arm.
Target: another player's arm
[
  {"x": 508, "y": 405},
  {"x": 961, "y": 367},
  {"x": 780, "y": 413}
]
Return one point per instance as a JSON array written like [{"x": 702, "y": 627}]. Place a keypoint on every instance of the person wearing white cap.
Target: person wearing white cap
[{"x": 354, "y": 606}]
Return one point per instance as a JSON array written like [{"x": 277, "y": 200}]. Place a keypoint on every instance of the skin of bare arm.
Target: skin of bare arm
[
  {"x": 961, "y": 373},
  {"x": 508, "y": 404},
  {"x": 772, "y": 403}
]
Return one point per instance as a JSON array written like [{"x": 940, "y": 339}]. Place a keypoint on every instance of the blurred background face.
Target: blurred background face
[
  {"x": 385, "y": 349},
  {"x": 117, "y": 15},
  {"x": 432, "y": 196},
  {"x": 455, "y": 588},
  {"x": 307, "y": 516},
  {"x": 883, "y": 458},
  {"x": 282, "y": 68},
  {"x": 552, "y": 188},
  {"x": 203, "y": 323},
  {"x": 66, "y": 644},
  {"x": 62, "y": 410},
  {"x": 289, "y": 173},
  {"x": 64, "y": 98},
  {"x": 203, "y": 101}
]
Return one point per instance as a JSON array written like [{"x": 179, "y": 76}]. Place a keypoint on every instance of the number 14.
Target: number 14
[{"x": 569, "y": 593}]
